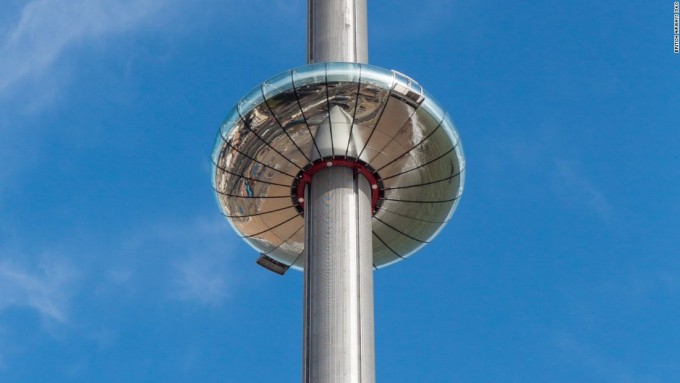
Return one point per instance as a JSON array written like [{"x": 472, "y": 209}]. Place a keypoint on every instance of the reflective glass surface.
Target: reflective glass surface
[{"x": 344, "y": 111}]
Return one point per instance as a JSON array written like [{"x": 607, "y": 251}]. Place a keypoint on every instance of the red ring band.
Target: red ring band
[{"x": 304, "y": 177}]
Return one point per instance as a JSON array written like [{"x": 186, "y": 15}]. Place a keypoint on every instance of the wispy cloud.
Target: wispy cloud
[
  {"x": 34, "y": 40},
  {"x": 202, "y": 274},
  {"x": 580, "y": 190},
  {"x": 46, "y": 28},
  {"x": 196, "y": 256},
  {"x": 602, "y": 365},
  {"x": 202, "y": 279},
  {"x": 47, "y": 290}
]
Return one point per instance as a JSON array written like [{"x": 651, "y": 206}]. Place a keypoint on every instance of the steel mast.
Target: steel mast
[
  {"x": 337, "y": 31},
  {"x": 338, "y": 324}
]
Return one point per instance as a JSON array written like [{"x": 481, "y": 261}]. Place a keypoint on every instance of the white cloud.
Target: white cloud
[
  {"x": 195, "y": 259},
  {"x": 202, "y": 279},
  {"x": 47, "y": 290},
  {"x": 46, "y": 28},
  {"x": 575, "y": 186},
  {"x": 201, "y": 274},
  {"x": 603, "y": 365}
]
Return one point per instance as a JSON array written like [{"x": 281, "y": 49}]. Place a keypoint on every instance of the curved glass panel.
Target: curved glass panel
[
  {"x": 232, "y": 121},
  {"x": 376, "y": 76},
  {"x": 299, "y": 261},
  {"x": 400, "y": 242},
  {"x": 432, "y": 106},
  {"x": 218, "y": 149},
  {"x": 382, "y": 254},
  {"x": 251, "y": 100},
  {"x": 343, "y": 72},
  {"x": 286, "y": 111},
  {"x": 407, "y": 141},
  {"x": 287, "y": 253},
  {"x": 434, "y": 192},
  {"x": 282, "y": 82},
  {"x": 423, "y": 211},
  {"x": 421, "y": 230},
  {"x": 448, "y": 125},
  {"x": 309, "y": 74}
]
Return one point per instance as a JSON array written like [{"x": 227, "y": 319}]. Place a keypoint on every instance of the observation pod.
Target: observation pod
[{"x": 377, "y": 122}]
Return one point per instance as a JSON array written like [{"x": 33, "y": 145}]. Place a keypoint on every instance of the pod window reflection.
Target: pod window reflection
[{"x": 378, "y": 122}]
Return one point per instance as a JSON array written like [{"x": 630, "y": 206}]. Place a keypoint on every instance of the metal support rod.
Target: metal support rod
[
  {"x": 337, "y": 31},
  {"x": 338, "y": 293}
]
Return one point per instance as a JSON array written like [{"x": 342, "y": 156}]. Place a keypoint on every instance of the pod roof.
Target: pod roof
[{"x": 379, "y": 122}]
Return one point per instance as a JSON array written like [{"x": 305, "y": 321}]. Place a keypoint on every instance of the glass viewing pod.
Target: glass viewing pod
[{"x": 378, "y": 122}]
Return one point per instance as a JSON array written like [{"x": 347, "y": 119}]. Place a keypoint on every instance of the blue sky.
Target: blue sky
[{"x": 562, "y": 263}]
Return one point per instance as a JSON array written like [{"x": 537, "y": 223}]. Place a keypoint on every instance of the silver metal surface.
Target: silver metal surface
[
  {"x": 348, "y": 110},
  {"x": 337, "y": 31},
  {"x": 338, "y": 344},
  {"x": 338, "y": 304}
]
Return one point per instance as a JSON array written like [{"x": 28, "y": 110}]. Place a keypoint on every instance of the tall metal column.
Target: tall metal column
[
  {"x": 338, "y": 344},
  {"x": 337, "y": 31}
]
